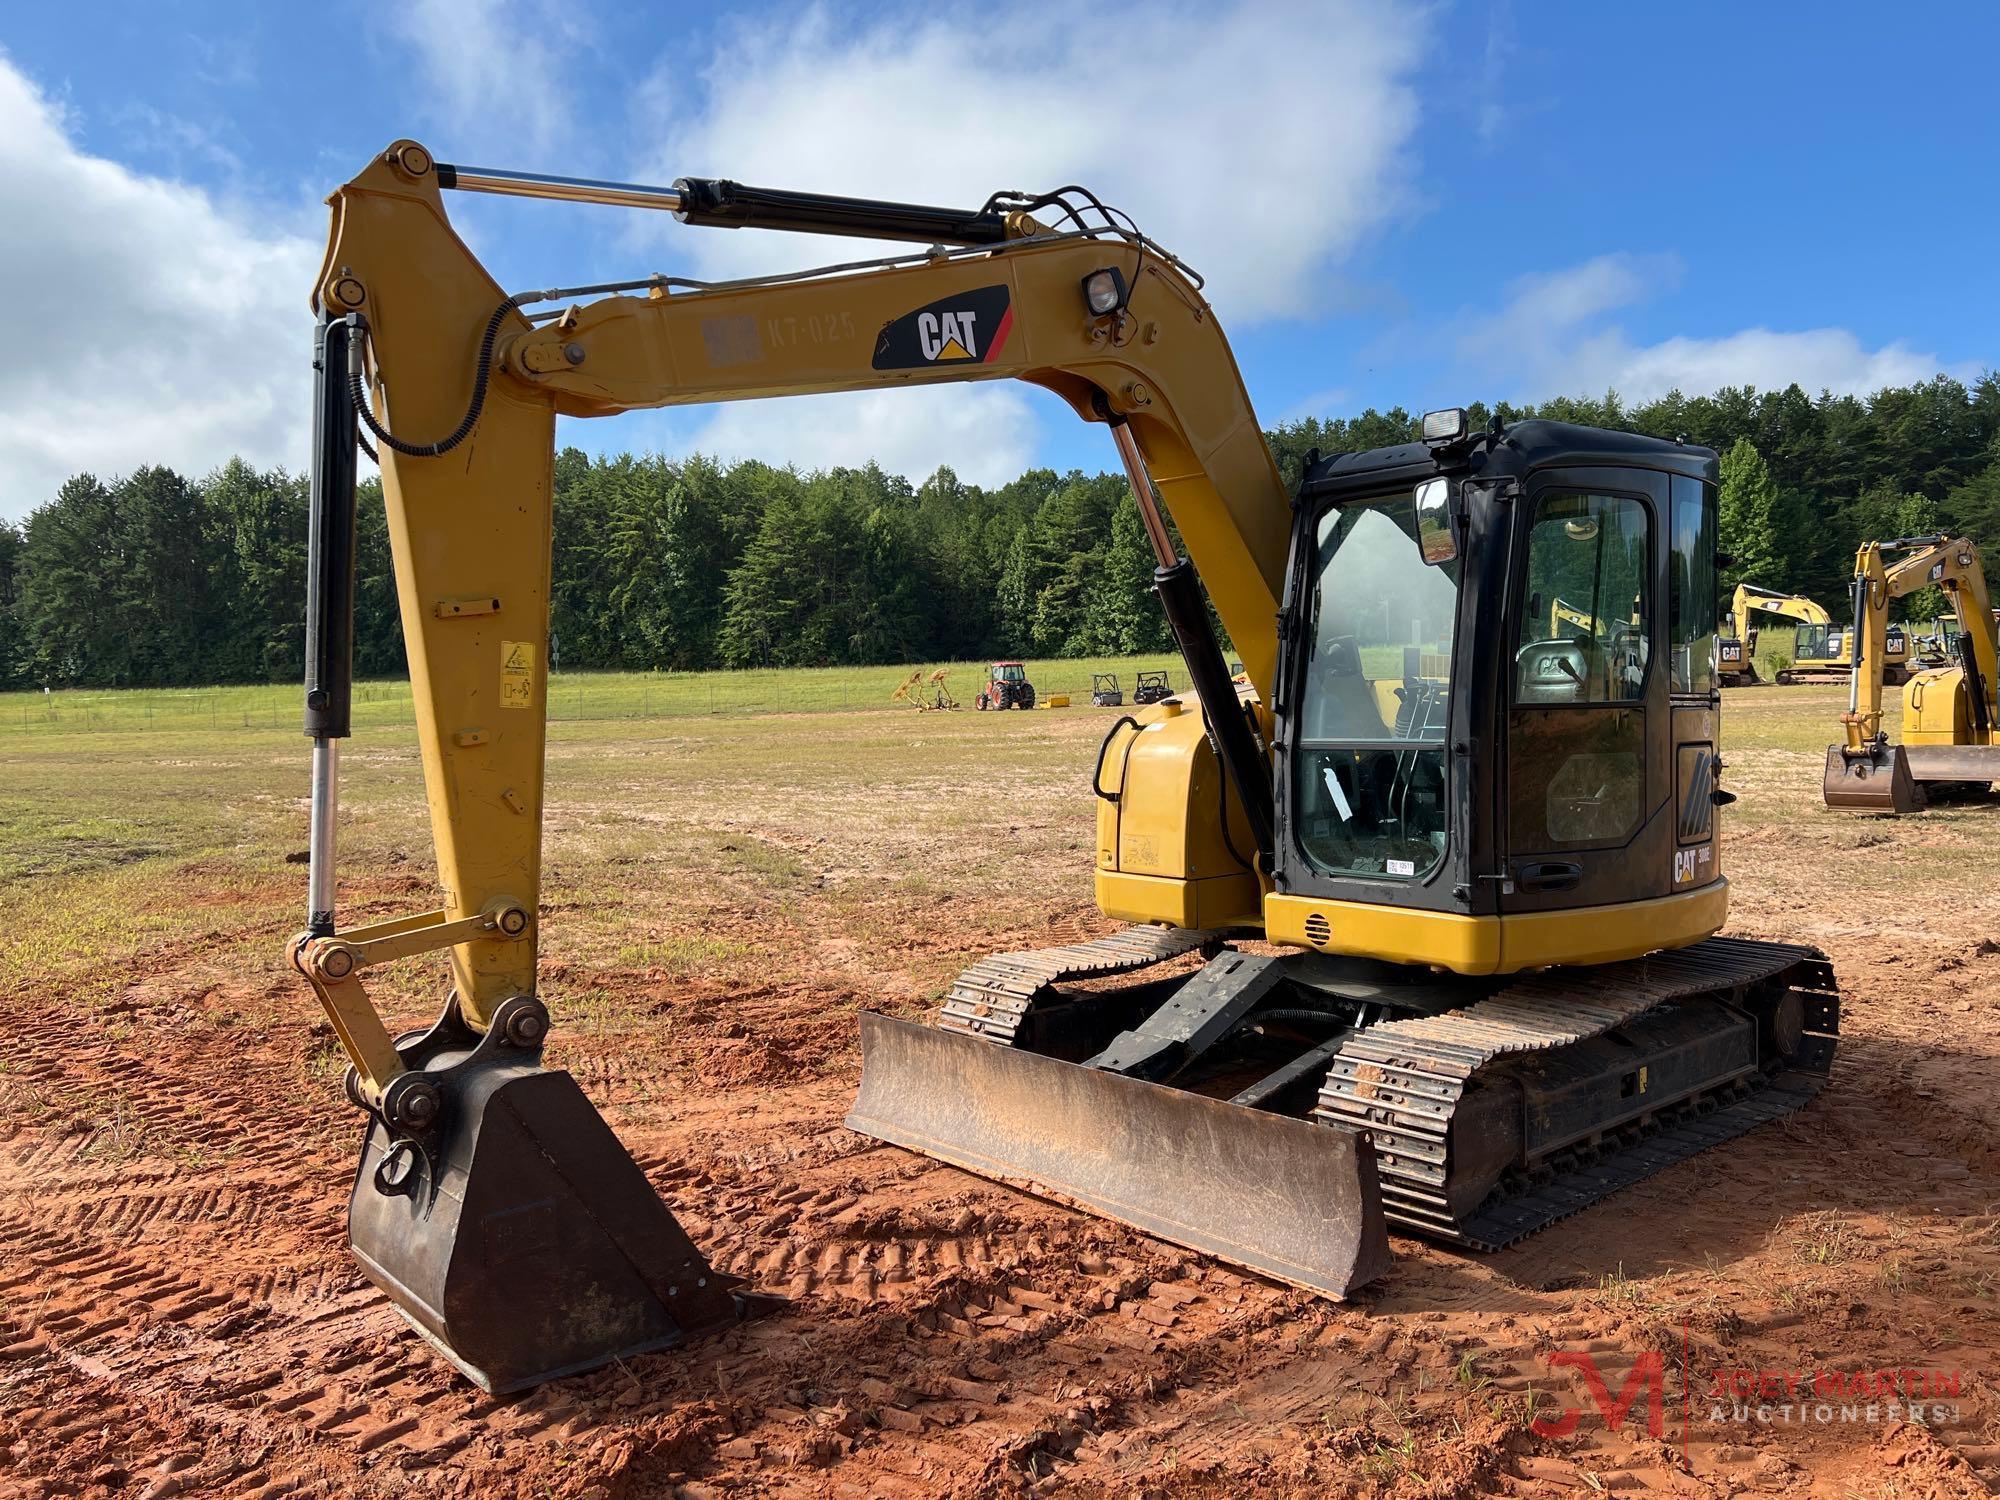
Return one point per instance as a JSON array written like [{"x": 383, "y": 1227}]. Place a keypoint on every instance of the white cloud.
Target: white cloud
[
  {"x": 987, "y": 433},
  {"x": 1553, "y": 336},
  {"x": 496, "y": 67},
  {"x": 1259, "y": 140},
  {"x": 1318, "y": 403},
  {"x": 147, "y": 324}
]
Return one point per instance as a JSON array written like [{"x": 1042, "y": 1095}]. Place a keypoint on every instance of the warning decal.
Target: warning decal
[
  {"x": 966, "y": 328},
  {"x": 517, "y": 674}
]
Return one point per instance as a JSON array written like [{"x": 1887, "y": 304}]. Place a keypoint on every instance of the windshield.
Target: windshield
[
  {"x": 1373, "y": 712},
  {"x": 1010, "y": 674}
]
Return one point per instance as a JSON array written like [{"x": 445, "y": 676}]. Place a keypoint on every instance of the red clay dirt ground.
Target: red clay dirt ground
[{"x": 178, "y": 1314}]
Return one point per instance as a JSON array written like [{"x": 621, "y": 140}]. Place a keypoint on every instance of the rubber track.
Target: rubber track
[
  {"x": 991, "y": 998},
  {"x": 1401, "y": 1081}
]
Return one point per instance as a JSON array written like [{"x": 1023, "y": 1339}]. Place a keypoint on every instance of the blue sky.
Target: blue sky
[{"x": 1395, "y": 204}]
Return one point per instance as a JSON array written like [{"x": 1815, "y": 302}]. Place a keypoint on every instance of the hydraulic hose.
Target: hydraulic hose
[{"x": 482, "y": 374}]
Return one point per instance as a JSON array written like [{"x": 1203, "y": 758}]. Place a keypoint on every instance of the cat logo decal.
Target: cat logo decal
[{"x": 967, "y": 328}]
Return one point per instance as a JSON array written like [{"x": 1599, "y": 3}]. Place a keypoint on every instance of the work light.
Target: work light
[
  {"x": 1446, "y": 426},
  {"x": 1105, "y": 291}
]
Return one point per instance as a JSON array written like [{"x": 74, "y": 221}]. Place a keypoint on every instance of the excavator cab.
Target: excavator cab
[{"x": 1571, "y": 627}]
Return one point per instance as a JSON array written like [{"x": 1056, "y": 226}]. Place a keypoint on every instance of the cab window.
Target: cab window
[
  {"x": 1692, "y": 587},
  {"x": 1576, "y": 758},
  {"x": 1374, "y": 707},
  {"x": 1583, "y": 632}
]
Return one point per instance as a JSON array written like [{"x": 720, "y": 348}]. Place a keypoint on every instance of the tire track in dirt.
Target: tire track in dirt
[
  {"x": 299, "y": 1383},
  {"x": 201, "y": 1093},
  {"x": 945, "y": 1334}
]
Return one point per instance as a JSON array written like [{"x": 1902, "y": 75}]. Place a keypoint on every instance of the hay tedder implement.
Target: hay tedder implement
[{"x": 926, "y": 692}]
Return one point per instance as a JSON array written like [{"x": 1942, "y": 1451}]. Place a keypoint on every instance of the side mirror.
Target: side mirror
[{"x": 1435, "y": 541}]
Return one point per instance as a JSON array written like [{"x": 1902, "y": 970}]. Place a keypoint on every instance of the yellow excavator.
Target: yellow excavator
[
  {"x": 1939, "y": 645},
  {"x": 1736, "y": 649},
  {"x": 1951, "y": 714},
  {"x": 1482, "y": 854},
  {"x": 1823, "y": 651}
]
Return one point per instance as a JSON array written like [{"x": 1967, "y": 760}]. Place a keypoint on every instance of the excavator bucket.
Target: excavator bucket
[
  {"x": 1294, "y": 1200},
  {"x": 1873, "y": 779},
  {"x": 522, "y": 1240}
]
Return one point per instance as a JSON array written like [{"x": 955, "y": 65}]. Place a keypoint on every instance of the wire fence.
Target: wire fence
[{"x": 572, "y": 697}]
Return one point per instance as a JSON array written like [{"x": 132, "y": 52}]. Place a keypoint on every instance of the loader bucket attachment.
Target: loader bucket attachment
[
  {"x": 1285, "y": 1197},
  {"x": 523, "y": 1241},
  {"x": 1875, "y": 778}
]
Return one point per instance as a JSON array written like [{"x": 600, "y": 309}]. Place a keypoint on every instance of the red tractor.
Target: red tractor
[{"x": 1007, "y": 686}]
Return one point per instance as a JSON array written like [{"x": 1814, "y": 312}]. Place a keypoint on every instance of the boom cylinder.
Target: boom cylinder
[
  {"x": 1186, "y": 609},
  {"x": 720, "y": 203},
  {"x": 329, "y": 687},
  {"x": 1857, "y": 648}
]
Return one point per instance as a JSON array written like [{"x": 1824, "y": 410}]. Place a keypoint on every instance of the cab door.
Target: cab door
[{"x": 1586, "y": 800}]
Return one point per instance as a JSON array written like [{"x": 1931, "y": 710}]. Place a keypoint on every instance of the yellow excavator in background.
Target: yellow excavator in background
[
  {"x": 1485, "y": 852},
  {"x": 1939, "y": 645},
  {"x": 1736, "y": 649},
  {"x": 1823, "y": 651},
  {"x": 1951, "y": 714},
  {"x": 1566, "y": 619}
]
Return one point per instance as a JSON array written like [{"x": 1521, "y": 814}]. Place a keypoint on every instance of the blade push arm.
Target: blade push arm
[{"x": 470, "y": 530}]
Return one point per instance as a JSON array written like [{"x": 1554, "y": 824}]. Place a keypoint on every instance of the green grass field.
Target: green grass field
[
  {"x": 572, "y": 696},
  {"x": 151, "y": 860},
  {"x": 141, "y": 823}
]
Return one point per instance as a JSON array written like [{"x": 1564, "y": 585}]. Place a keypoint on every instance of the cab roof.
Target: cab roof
[{"x": 1518, "y": 449}]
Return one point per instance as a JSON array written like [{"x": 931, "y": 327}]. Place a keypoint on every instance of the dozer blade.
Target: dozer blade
[
  {"x": 1876, "y": 779},
  {"x": 540, "y": 1249},
  {"x": 1283, "y": 1196},
  {"x": 1964, "y": 765}
]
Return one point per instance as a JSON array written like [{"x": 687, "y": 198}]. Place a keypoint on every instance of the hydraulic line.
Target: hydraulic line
[{"x": 482, "y": 373}]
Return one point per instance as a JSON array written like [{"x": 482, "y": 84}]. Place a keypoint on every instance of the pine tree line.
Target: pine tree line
[{"x": 155, "y": 579}]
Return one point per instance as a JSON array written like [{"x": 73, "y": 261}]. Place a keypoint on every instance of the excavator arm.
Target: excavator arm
[
  {"x": 483, "y": 1172},
  {"x": 1950, "y": 563},
  {"x": 1750, "y": 600}
]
